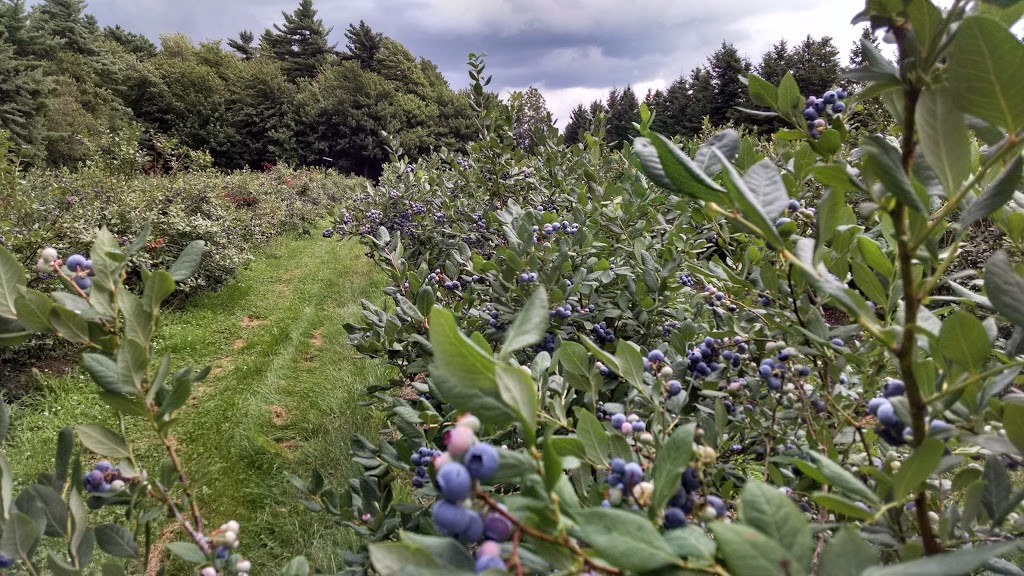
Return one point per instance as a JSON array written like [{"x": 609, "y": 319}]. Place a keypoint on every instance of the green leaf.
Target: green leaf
[
  {"x": 789, "y": 100},
  {"x": 573, "y": 358},
  {"x": 773, "y": 514},
  {"x": 530, "y": 324},
  {"x": 1013, "y": 423},
  {"x": 749, "y": 203},
  {"x": 48, "y": 505},
  {"x": 671, "y": 461},
  {"x": 665, "y": 164},
  {"x": 959, "y": 563},
  {"x": 631, "y": 362},
  {"x": 24, "y": 532},
  {"x": 79, "y": 518},
  {"x": 727, "y": 142},
  {"x": 33, "y": 309},
  {"x": 626, "y": 540},
  {"x": 112, "y": 569},
  {"x": 883, "y": 160},
  {"x": 552, "y": 463},
  {"x": 762, "y": 92},
  {"x": 593, "y": 436},
  {"x": 986, "y": 68},
  {"x": 868, "y": 283},
  {"x": 998, "y": 193},
  {"x": 747, "y": 551},
  {"x": 842, "y": 479},
  {"x": 1004, "y": 288},
  {"x": 918, "y": 467},
  {"x": 125, "y": 404},
  {"x": 840, "y": 505},
  {"x": 472, "y": 381},
  {"x": 997, "y": 489},
  {"x": 847, "y": 554},
  {"x": 60, "y": 566},
  {"x": 63, "y": 454},
  {"x": 102, "y": 441},
  {"x": 297, "y": 566},
  {"x": 188, "y": 261},
  {"x": 393, "y": 558},
  {"x": 447, "y": 550},
  {"x": 769, "y": 190},
  {"x": 69, "y": 325},
  {"x": 12, "y": 277},
  {"x": 873, "y": 256},
  {"x": 964, "y": 341},
  {"x": 691, "y": 542},
  {"x": 116, "y": 541},
  {"x": 158, "y": 287},
  {"x": 187, "y": 551},
  {"x": 132, "y": 361},
  {"x": 104, "y": 372},
  {"x": 944, "y": 138}
]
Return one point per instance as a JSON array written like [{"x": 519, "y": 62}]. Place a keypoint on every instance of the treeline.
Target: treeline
[
  {"x": 714, "y": 91},
  {"x": 71, "y": 90}
]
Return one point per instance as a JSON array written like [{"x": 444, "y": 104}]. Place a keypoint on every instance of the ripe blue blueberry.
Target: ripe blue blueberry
[
  {"x": 841, "y": 93},
  {"x": 887, "y": 417},
  {"x": 75, "y": 262},
  {"x": 838, "y": 107},
  {"x": 450, "y": 519},
  {"x": 803, "y": 370},
  {"x": 829, "y": 97},
  {"x": 632, "y": 475},
  {"x": 485, "y": 563},
  {"x": 655, "y": 355},
  {"x": 481, "y": 461},
  {"x": 837, "y": 342},
  {"x": 6, "y": 562},
  {"x": 718, "y": 505},
  {"x": 454, "y": 482},
  {"x": 674, "y": 518},
  {"x": 674, "y": 387},
  {"x": 893, "y": 388},
  {"x": 498, "y": 528},
  {"x": 810, "y": 115},
  {"x": 103, "y": 466},
  {"x": 618, "y": 420},
  {"x": 618, "y": 465},
  {"x": 819, "y": 105},
  {"x": 639, "y": 426},
  {"x": 794, "y": 205},
  {"x": 874, "y": 404},
  {"x": 83, "y": 282},
  {"x": 691, "y": 479}
]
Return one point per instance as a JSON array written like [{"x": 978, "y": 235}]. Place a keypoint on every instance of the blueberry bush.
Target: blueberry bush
[{"x": 724, "y": 356}]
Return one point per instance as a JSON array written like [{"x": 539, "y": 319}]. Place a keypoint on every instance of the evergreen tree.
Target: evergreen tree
[
  {"x": 132, "y": 42},
  {"x": 701, "y": 95},
  {"x": 579, "y": 123},
  {"x": 66, "y": 21},
  {"x": 726, "y": 67},
  {"x": 857, "y": 58},
  {"x": 671, "y": 109},
  {"x": 243, "y": 45},
  {"x": 301, "y": 44},
  {"x": 23, "y": 92},
  {"x": 775, "y": 63},
  {"x": 816, "y": 65},
  {"x": 28, "y": 42},
  {"x": 363, "y": 46},
  {"x": 623, "y": 111}
]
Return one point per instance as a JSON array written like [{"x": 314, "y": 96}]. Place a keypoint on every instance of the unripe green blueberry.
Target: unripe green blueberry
[
  {"x": 233, "y": 526},
  {"x": 49, "y": 254},
  {"x": 243, "y": 566}
]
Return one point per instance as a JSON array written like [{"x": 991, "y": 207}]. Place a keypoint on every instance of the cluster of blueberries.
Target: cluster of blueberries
[
  {"x": 225, "y": 538},
  {"x": 528, "y": 277},
  {"x": 554, "y": 227},
  {"x": 562, "y": 312},
  {"x": 493, "y": 315},
  {"x": 440, "y": 218},
  {"x": 547, "y": 344},
  {"x": 773, "y": 370},
  {"x": 668, "y": 327},
  {"x": 462, "y": 162},
  {"x": 481, "y": 222},
  {"x": 686, "y": 279},
  {"x": 628, "y": 424},
  {"x": 103, "y": 478},
  {"x": 79, "y": 266},
  {"x": 328, "y": 233},
  {"x": 717, "y": 298},
  {"x": 830, "y": 101},
  {"x": 684, "y": 501},
  {"x": 420, "y": 459},
  {"x": 603, "y": 334},
  {"x": 890, "y": 428},
  {"x": 467, "y": 460}
]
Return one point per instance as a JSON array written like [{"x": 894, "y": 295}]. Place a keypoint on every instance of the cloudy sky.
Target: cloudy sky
[{"x": 572, "y": 50}]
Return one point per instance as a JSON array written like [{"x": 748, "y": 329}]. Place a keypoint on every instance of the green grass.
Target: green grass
[{"x": 282, "y": 397}]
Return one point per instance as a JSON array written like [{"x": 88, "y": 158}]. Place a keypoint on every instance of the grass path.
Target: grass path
[{"x": 282, "y": 396}]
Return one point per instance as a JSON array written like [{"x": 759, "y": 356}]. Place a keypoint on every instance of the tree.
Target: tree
[
  {"x": 28, "y": 41},
  {"x": 531, "y": 116},
  {"x": 66, "y": 21},
  {"x": 579, "y": 123},
  {"x": 857, "y": 57},
  {"x": 23, "y": 92},
  {"x": 775, "y": 63},
  {"x": 243, "y": 45},
  {"x": 623, "y": 110},
  {"x": 364, "y": 45},
  {"x": 671, "y": 108},
  {"x": 134, "y": 43},
  {"x": 726, "y": 67},
  {"x": 301, "y": 44},
  {"x": 816, "y": 65},
  {"x": 701, "y": 94}
]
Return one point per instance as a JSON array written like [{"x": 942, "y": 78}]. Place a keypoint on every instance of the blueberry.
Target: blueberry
[
  {"x": 765, "y": 370},
  {"x": 810, "y": 101},
  {"x": 691, "y": 479},
  {"x": 819, "y": 105},
  {"x": 938, "y": 426},
  {"x": 532, "y": 276},
  {"x": 774, "y": 384},
  {"x": 794, "y": 205},
  {"x": 449, "y": 519},
  {"x": 783, "y": 355},
  {"x": 718, "y": 505},
  {"x": 481, "y": 461},
  {"x": 485, "y": 563},
  {"x": 674, "y": 388},
  {"x": 829, "y": 97},
  {"x": 803, "y": 370},
  {"x": 103, "y": 466},
  {"x": 893, "y": 388},
  {"x": 497, "y": 527},
  {"x": 674, "y": 518},
  {"x": 655, "y": 355},
  {"x": 887, "y": 417},
  {"x": 838, "y": 108},
  {"x": 639, "y": 426},
  {"x": 454, "y": 482},
  {"x": 837, "y": 342},
  {"x": 6, "y": 562},
  {"x": 83, "y": 282},
  {"x": 618, "y": 420},
  {"x": 810, "y": 115},
  {"x": 875, "y": 404},
  {"x": 76, "y": 262},
  {"x": 524, "y": 277},
  {"x": 618, "y": 465},
  {"x": 841, "y": 94},
  {"x": 632, "y": 475}
]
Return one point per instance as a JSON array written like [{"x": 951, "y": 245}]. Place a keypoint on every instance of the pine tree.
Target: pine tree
[
  {"x": 23, "y": 93},
  {"x": 816, "y": 65},
  {"x": 243, "y": 45},
  {"x": 701, "y": 95},
  {"x": 579, "y": 123},
  {"x": 134, "y": 43},
  {"x": 726, "y": 67},
  {"x": 775, "y": 63},
  {"x": 531, "y": 117},
  {"x": 364, "y": 45},
  {"x": 623, "y": 110},
  {"x": 301, "y": 44},
  {"x": 857, "y": 58},
  {"x": 66, "y": 21}
]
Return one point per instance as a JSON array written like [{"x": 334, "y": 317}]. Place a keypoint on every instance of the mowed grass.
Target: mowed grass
[{"x": 281, "y": 398}]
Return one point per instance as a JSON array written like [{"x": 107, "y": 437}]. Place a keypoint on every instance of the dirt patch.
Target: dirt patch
[
  {"x": 167, "y": 535},
  {"x": 278, "y": 415},
  {"x": 250, "y": 322},
  {"x": 289, "y": 445},
  {"x": 238, "y": 343},
  {"x": 318, "y": 339}
]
